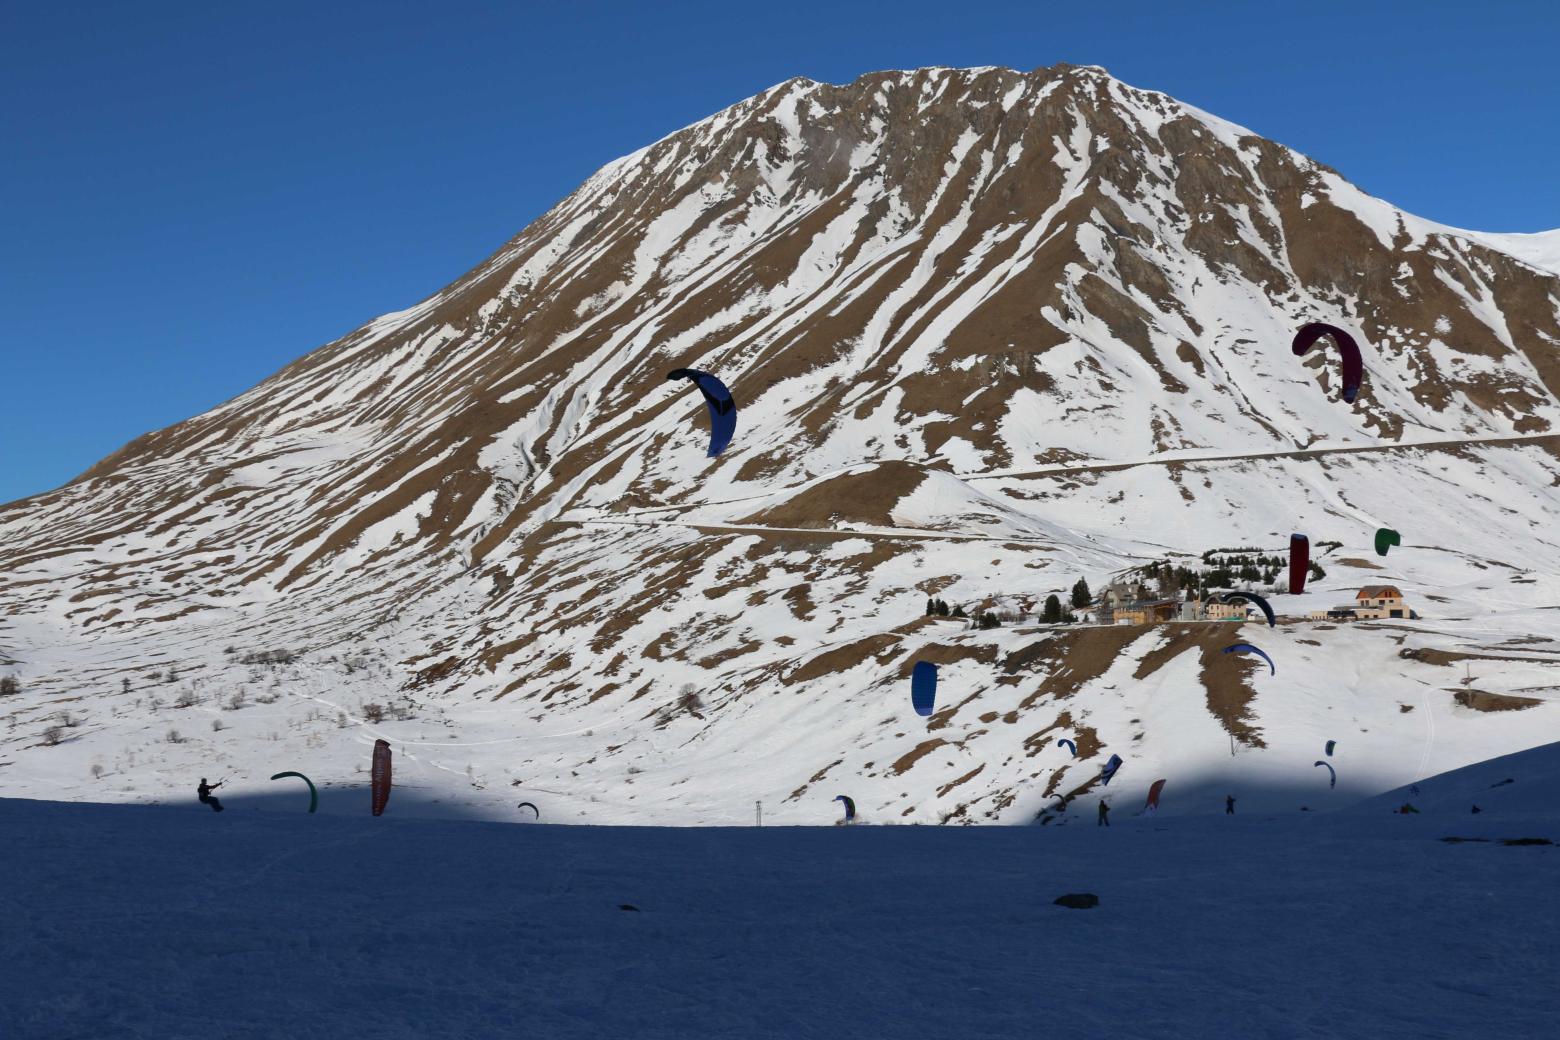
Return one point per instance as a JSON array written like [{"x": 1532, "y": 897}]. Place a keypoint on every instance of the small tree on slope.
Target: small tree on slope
[
  {"x": 1081, "y": 597},
  {"x": 1053, "y": 610}
]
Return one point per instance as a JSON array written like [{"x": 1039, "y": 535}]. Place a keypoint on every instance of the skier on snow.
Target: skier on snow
[
  {"x": 1104, "y": 820},
  {"x": 1229, "y": 805}
]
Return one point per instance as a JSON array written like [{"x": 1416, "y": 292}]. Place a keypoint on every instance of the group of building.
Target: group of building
[
  {"x": 1371, "y": 603},
  {"x": 1132, "y": 603}
]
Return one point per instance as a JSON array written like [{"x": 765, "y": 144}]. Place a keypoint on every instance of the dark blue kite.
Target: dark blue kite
[
  {"x": 850, "y": 806},
  {"x": 723, "y": 410},
  {"x": 1110, "y": 769},
  {"x": 923, "y": 687},
  {"x": 1248, "y": 648},
  {"x": 1252, "y": 597}
]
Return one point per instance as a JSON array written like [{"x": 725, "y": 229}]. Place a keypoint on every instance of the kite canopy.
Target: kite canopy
[
  {"x": 1299, "y": 562},
  {"x": 1330, "y": 745},
  {"x": 1348, "y": 350},
  {"x": 1248, "y": 648},
  {"x": 1153, "y": 794},
  {"x": 1110, "y": 769},
  {"x": 923, "y": 687},
  {"x": 1069, "y": 745},
  {"x": 530, "y": 806},
  {"x": 722, "y": 408},
  {"x": 1252, "y": 597},
  {"x": 850, "y": 806},
  {"x": 1386, "y": 537},
  {"x": 1331, "y": 773},
  {"x": 314, "y": 796},
  {"x": 380, "y": 775}
]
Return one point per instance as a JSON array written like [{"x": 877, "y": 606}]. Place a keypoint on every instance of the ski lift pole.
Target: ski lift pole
[{"x": 758, "y": 813}]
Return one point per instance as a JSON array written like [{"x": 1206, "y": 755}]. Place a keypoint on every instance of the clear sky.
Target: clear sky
[{"x": 193, "y": 194}]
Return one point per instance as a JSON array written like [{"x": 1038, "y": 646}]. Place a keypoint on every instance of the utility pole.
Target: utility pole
[{"x": 758, "y": 812}]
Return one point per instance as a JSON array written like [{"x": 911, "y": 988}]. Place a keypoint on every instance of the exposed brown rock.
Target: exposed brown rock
[{"x": 1480, "y": 700}]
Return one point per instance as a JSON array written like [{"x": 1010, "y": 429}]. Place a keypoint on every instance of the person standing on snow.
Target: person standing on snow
[
  {"x": 1229, "y": 805},
  {"x": 204, "y": 791},
  {"x": 1104, "y": 820}
]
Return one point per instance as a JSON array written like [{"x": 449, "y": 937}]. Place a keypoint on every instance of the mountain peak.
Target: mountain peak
[{"x": 980, "y": 326}]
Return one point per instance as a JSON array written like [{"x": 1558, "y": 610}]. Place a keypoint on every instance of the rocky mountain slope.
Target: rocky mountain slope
[{"x": 989, "y": 332}]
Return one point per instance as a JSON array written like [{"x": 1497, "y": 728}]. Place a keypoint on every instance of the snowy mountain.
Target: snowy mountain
[{"x": 989, "y": 332}]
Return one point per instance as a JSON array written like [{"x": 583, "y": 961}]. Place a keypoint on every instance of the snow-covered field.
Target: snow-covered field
[
  {"x": 798, "y": 652},
  {"x": 174, "y": 922}
]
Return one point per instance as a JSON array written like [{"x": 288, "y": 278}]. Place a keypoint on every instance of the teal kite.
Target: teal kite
[{"x": 314, "y": 796}]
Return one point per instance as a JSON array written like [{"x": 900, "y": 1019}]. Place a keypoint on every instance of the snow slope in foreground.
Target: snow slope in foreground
[{"x": 174, "y": 922}]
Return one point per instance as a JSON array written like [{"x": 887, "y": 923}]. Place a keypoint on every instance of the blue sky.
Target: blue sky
[{"x": 195, "y": 194}]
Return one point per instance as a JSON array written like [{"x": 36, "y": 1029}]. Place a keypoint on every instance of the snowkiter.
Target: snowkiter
[
  {"x": 205, "y": 789},
  {"x": 1104, "y": 820},
  {"x": 1229, "y": 805}
]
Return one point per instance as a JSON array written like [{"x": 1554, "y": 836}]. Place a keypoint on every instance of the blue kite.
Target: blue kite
[
  {"x": 1248, "y": 648},
  {"x": 723, "y": 409},
  {"x": 1110, "y": 769},
  {"x": 1231, "y": 597},
  {"x": 923, "y": 687}
]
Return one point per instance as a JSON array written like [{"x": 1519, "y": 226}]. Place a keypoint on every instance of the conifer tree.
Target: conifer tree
[{"x": 1081, "y": 597}]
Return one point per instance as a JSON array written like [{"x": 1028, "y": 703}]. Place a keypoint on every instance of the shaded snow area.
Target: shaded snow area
[{"x": 174, "y": 922}]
